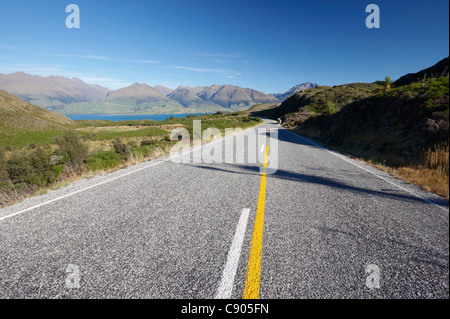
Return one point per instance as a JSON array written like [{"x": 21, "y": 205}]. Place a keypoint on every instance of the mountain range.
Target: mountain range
[
  {"x": 296, "y": 89},
  {"x": 73, "y": 96},
  {"x": 50, "y": 91}
]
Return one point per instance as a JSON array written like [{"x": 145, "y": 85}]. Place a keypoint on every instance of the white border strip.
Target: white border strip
[{"x": 226, "y": 284}]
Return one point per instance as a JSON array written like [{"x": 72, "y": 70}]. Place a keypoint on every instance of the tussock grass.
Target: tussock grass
[
  {"x": 10, "y": 193},
  {"x": 436, "y": 158},
  {"x": 432, "y": 173},
  {"x": 430, "y": 179}
]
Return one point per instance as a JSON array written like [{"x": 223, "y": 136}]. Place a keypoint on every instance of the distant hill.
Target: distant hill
[
  {"x": 439, "y": 69},
  {"x": 298, "y": 88},
  {"x": 51, "y": 91},
  {"x": 164, "y": 90},
  {"x": 136, "y": 94},
  {"x": 187, "y": 97},
  {"x": 138, "y": 98},
  {"x": 234, "y": 97}
]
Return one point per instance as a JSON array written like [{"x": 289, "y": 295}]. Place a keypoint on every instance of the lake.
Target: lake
[{"x": 154, "y": 117}]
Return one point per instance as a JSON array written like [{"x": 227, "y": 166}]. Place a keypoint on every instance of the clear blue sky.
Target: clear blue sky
[{"x": 265, "y": 45}]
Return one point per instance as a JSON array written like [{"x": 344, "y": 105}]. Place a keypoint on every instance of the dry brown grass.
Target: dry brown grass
[
  {"x": 11, "y": 195},
  {"x": 436, "y": 158},
  {"x": 135, "y": 159},
  {"x": 105, "y": 129},
  {"x": 430, "y": 179},
  {"x": 432, "y": 174},
  {"x": 169, "y": 127}
]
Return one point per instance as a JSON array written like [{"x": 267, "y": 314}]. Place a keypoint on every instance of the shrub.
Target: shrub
[
  {"x": 122, "y": 148},
  {"x": 72, "y": 147},
  {"x": 331, "y": 107},
  {"x": 18, "y": 168},
  {"x": 387, "y": 82},
  {"x": 34, "y": 169},
  {"x": 147, "y": 142}
]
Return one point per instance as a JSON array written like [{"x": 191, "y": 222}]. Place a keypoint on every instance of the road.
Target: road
[{"x": 325, "y": 226}]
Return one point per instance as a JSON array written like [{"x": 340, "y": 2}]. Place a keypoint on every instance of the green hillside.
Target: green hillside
[
  {"x": 23, "y": 123},
  {"x": 321, "y": 100},
  {"x": 400, "y": 123},
  {"x": 403, "y": 129},
  {"x": 440, "y": 69}
]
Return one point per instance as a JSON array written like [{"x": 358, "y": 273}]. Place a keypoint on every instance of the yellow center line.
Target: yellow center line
[{"x": 252, "y": 282}]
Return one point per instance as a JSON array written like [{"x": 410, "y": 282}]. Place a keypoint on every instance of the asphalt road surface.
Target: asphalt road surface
[{"x": 321, "y": 226}]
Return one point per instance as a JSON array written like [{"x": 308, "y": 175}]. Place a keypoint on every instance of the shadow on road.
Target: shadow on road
[
  {"x": 285, "y": 135},
  {"x": 325, "y": 181}
]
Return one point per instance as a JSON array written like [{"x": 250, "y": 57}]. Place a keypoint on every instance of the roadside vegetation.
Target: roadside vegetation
[
  {"x": 402, "y": 129},
  {"x": 34, "y": 161}
]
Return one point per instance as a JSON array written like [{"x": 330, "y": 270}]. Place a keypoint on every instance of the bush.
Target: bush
[
  {"x": 19, "y": 168},
  {"x": 102, "y": 160},
  {"x": 34, "y": 169},
  {"x": 331, "y": 107},
  {"x": 147, "y": 142},
  {"x": 122, "y": 148},
  {"x": 72, "y": 147}
]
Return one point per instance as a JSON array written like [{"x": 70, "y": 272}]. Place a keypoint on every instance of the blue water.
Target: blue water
[{"x": 154, "y": 117}]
